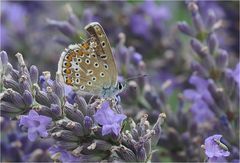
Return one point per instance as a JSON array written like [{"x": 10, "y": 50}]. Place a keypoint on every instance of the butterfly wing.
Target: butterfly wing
[
  {"x": 104, "y": 51},
  {"x": 80, "y": 67}
]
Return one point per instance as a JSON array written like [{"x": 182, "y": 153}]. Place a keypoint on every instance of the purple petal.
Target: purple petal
[
  {"x": 33, "y": 113},
  {"x": 116, "y": 129},
  {"x": 191, "y": 94},
  {"x": 32, "y": 134},
  {"x": 198, "y": 82},
  {"x": 44, "y": 120},
  {"x": 106, "y": 129}
]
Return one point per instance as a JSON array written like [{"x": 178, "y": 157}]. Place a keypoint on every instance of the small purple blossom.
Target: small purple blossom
[
  {"x": 213, "y": 149},
  {"x": 110, "y": 121},
  {"x": 36, "y": 124}
]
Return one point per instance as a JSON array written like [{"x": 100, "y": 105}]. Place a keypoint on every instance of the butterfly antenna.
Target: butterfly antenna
[{"x": 137, "y": 76}]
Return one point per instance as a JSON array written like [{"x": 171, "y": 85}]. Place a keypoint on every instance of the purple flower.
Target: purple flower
[
  {"x": 45, "y": 81},
  {"x": 198, "y": 96},
  {"x": 157, "y": 13},
  {"x": 139, "y": 25},
  {"x": 36, "y": 124},
  {"x": 63, "y": 155},
  {"x": 201, "y": 91},
  {"x": 201, "y": 112},
  {"x": 217, "y": 159},
  {"x": 110, "y": 121},
  {"x": 213, "y": 149}
]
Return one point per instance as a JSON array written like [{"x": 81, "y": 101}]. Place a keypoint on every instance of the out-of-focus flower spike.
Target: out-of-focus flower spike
[
  {"x": 34, "y": 74},
  {"x": 27, "y": 98},
  {"x": 62, "y": 41},
  {"x": 196, "y": 17},
  {"x": 222, "y": 59},
  {"x": 185, "y": 28},
  {"x": 212, "y": 43},
  {"x": 9, "y": 83},
  {"x": 82, "y": 104},
  {"x": 157, "y": 128},
  {"x": 73, "y": 19},
  {"x": 211, "y": 19},
  {"x": 199, "y": 69},
  {"x": 65, "y": 27},
  {"x": 126, "y": 154},
  {"x": 198, "y": 47}
]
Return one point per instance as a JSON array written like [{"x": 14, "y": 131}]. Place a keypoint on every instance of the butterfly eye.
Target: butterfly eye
[{"x": 120, "y": 86}]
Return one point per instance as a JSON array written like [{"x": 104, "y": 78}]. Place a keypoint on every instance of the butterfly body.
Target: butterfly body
[{"x": 89, "y": 67}]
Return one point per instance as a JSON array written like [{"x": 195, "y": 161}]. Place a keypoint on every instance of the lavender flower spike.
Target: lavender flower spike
[
  {"x": 110, "y": 121},
  {"x": 36, "y": 124},
  {"x": 214, "y": 148}
]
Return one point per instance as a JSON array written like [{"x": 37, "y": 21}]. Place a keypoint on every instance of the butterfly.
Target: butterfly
[{"x": 89, "y": 67}]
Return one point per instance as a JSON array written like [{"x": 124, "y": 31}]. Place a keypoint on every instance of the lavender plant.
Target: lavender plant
[
  {"x": 196, "y": 84},
  {"x": 215, "y": 102},
  {"x": 79, "y": 130}
]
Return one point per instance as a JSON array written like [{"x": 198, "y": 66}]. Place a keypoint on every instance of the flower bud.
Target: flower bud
[
  {"x": 222, "y": 59},
  {"x": 198, "y": 47},
  {"x": 56, "y": 110},
  {"x": 58, "y": 87},
  {"x": 53, "y": 98},
  {"x": 34, "y": 73},
  {"x": 185, "y": 28},
  {"x": 17, "y": 99},
  {"x": 212, "y": 43},
  {"x": 41, "y": 98},
  {"x": 9, "y": 107},
  {"x": 67, "y": 145},
  {"x": 4, "y": 58},
  {"x": 9, "y": 83},
  {"x": 199, "y": 69},
  {"x": 157, "y": 128},
  {"x": 141, "y": 154},
  {"x": 24, "y": 84},
  {"x": 27, "y": 98},
  {"x": 74, "y": 114},
  {"x": 126, "y": 154},
  {"x": 65, "y": 135},
  {"x": 82, "y": 104}
]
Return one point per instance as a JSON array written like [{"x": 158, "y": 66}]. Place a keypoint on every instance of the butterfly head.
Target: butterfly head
[{"x": 121, "y": 86}]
